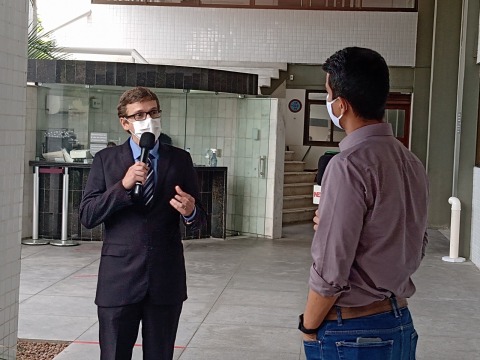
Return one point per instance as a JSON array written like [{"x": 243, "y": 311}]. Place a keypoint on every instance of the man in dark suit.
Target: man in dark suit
[{"x": 142, "y": 268}]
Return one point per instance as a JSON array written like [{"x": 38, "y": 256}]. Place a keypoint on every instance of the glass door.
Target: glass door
[{"x": 397, "y": 113}]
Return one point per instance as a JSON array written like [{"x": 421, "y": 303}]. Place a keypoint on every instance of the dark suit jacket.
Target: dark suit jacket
[{"x": 142, "y": 249}]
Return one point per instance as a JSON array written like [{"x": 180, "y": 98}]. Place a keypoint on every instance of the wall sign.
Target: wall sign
[{"x": 295, "y": 105}]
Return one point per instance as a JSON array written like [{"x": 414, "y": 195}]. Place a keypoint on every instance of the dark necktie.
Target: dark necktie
[{"x": 149, "y": 185}]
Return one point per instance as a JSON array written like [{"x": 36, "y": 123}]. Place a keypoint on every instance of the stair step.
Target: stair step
[
  {"x": 298, "y": 189},
  {"x": 298, "y": 177},
  {"x": 298, "y": 215},
  {"x": 297, "y": 201},
  {"x": 289, "y": 155},
  {"x": 293, "y": 166}
]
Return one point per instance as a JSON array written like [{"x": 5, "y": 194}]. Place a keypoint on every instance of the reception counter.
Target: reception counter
[{"x": 58, "y": 191}]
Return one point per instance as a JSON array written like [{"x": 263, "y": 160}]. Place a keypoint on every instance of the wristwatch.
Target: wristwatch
[{"x": 303, "y": 329}]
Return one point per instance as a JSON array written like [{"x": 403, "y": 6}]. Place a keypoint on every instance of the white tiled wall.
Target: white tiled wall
[
  {"x": 475, "y": 242},
  {"x": 222, "y": 36},
  {"x": 13, "y": 17},
  {"x": 273, "y": 222},
  {"x": 227, "y": 123}
]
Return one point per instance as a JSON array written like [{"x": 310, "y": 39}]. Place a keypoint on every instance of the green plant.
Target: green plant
[{"x": 40, "y": 44}]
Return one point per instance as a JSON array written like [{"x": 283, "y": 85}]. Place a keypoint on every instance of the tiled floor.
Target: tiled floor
[{"x": 244, "y": 298}]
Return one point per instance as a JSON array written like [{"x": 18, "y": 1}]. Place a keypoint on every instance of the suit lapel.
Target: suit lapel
[{"x": 126, "y": 155}]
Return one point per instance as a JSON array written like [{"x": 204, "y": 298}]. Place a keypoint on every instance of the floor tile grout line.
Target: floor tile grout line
[
  {"x": 62, "y": 279},
  {"x": 234, "y": 272}
]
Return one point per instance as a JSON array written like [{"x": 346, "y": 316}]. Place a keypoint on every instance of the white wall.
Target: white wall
[
  {"x": 475, "y": 239},
  {"x": 231, "y": 36},
  {"x": 13, "y": 65},
  {"x": 475, "y": 235}
]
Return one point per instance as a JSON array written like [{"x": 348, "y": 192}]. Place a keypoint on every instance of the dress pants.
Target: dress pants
[{"x": 119, "y": 330}]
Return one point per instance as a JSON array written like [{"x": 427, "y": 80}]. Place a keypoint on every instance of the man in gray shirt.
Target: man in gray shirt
[{"x": 370, "y": 225}]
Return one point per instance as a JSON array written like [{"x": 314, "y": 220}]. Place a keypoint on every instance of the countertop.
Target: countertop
[{"x": 58, "y": 164}]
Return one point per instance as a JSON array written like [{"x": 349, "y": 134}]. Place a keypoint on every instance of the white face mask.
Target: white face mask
[
  {"x": 148, "y": 125},
  {"x": 335, "y": 120}
]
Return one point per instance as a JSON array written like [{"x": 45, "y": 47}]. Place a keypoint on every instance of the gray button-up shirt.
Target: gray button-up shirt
[{"x": 371, "y": 234}]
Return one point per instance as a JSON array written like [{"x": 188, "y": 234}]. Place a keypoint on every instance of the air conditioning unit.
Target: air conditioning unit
[{"x": 59, "y": 104}]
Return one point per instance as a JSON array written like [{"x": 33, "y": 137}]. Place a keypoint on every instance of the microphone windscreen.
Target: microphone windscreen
[
  {"x": 147, "y": 140},
  {"x": 322, "y": 165}
]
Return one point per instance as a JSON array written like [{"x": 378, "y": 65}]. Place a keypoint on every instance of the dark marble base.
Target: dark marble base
[
  {"x": 213, "y": 187},
  {"x": 213, "y": 195},
  {"x": 101, "y": 73}
]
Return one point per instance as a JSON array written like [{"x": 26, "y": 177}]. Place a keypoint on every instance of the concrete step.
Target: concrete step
[
  {"x": 298, "y": 215},
  {"x": 298, "y": 177},
  {"x": 297, "y": 201},
  {"x": 293, "y": 166},
  {"x": 298, "y": 189},
  {"x": 289, "y": 155}
]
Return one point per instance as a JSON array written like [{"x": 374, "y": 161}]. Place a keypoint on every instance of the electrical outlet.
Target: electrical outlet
[{"x": 95, "y": 103}]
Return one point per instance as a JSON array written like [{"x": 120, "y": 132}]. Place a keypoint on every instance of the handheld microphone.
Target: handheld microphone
[
  {"x": 322, "y": 164},
  {"x": 147, "y": 142}
]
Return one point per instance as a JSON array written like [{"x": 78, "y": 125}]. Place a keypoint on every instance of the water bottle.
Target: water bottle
[{"x": 213, "y": 159}]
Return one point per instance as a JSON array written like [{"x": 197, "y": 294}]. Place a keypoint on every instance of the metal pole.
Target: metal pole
[
  {"x": 64, "y": 205},
  {"x": 63, "y": 238},
  {"x": 460, "y": 90},
  {"x": 35, "y": 212}
]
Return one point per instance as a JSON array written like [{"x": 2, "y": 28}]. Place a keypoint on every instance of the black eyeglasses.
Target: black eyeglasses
[{"x": 142, "y": 115}]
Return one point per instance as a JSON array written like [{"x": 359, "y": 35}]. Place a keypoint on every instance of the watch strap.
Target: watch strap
[{"x": 303, "y": 329}]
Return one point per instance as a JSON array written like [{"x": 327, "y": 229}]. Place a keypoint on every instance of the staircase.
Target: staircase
[{"x": 297, "y": 191}]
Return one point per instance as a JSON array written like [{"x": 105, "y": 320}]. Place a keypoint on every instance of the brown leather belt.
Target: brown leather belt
[{"x": 374, "y": 308}]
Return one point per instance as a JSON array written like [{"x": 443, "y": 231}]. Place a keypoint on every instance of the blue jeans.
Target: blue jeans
[{"x": 384, "y": 336}]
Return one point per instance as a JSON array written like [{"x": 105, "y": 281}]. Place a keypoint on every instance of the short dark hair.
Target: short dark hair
[
  {"x": 137, "y": 94},
  {"x": 360, "y": 76}
]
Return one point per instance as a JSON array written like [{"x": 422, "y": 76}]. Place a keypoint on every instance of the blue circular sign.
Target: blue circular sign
[{"x": 295, "y": 105}]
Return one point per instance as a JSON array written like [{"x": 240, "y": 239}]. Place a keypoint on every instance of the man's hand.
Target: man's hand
[
  {"x": 315, "y": 220},
  {"x": 316, "y": 309},
  {"x": 135, "y": 173},
  {"x": 184, "y": 203},
  {"x": 309, "y": 337}
]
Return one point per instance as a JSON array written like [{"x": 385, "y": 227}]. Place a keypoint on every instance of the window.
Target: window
[
  {"x": 318, "y": 130},
  {"x": 397, "y": 113}
]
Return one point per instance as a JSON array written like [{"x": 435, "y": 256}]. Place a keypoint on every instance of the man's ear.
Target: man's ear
[
  {"x": 125, "y": 124},
  {"x": 344, "y": 105}
]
